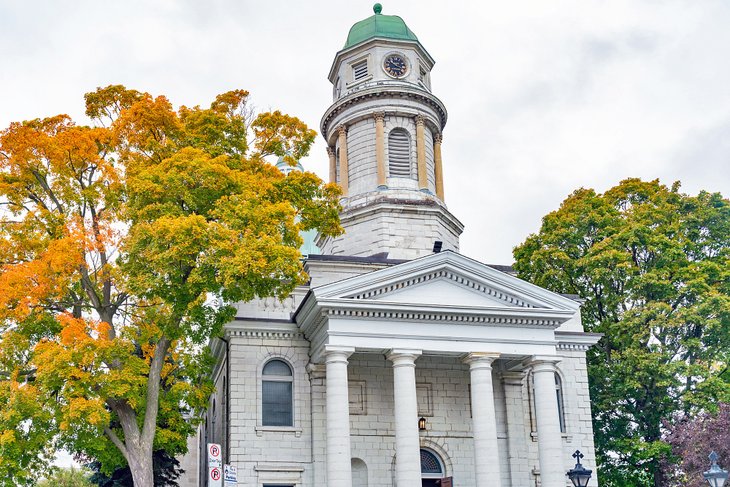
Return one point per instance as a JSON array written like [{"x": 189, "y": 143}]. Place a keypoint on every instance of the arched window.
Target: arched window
[
  {"x": 430, "y": 465},
  {"x": 399, "y": 153},
  {"x": 276, "y": 394},
  {"x": 561, "y": 403}
]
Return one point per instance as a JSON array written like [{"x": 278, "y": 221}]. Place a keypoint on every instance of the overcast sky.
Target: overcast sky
[{"x": 543, "y": 96}]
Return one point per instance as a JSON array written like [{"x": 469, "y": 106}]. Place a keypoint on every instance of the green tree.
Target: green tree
[
  {"x": 122, "y": 247},
  {"x": 67, "y": 477},
  {"x": 653, "y": 265}
]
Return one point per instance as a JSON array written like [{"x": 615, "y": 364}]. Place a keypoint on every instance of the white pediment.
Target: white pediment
[
  {"x": 441, "y": 291},
  {"x": 442, "y": 302},
  {"x": 448, "y": 280}
]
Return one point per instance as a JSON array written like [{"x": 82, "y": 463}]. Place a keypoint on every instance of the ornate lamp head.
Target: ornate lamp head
[
  {"x": 579, "y": 475},
  {"x": 715, "y": 476}
]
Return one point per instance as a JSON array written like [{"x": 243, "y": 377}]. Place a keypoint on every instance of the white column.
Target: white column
[
  {"x": 407, "y": 442},
  {"x": 549, "y": 438},
  {"x": 339, "y": 471},
  {"x": 484, "y": 423}
]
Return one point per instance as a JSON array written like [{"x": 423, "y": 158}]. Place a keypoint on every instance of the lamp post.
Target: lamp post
[
  {"x": 579, "y": 475},
  {"x": 715, "y": 476}
]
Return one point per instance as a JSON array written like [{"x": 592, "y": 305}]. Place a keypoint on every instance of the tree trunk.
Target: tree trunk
[
  {"x": 137, "y": 445},
  {"x": 140, "y": 463}
]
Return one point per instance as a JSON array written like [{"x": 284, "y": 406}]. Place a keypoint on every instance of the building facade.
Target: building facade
[{"x": 402, "y": 362}]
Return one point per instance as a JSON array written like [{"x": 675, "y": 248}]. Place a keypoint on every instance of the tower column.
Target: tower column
[
  {"x": 421, "y": 152},
  {"x": 333, "y": 164},
  {"x": 549, "y": 439},
  {"x": 407, "y": 441},
  {"x": 339, "y": 468},
  {"x": 438, "y": 169},
  {"x": 484, "y": 424},
  {"x": 380, "y": 148},
  {"x": 343, "y": 159}
]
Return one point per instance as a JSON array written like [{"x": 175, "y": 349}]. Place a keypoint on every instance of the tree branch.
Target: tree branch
[{"x": 117, "y": 442}]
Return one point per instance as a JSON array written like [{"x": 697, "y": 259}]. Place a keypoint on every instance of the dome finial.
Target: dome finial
[{"x": 377, "y": 8}]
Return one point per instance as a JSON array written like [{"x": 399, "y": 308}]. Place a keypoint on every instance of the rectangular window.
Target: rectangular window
[
  {"x": 276, "y": 403},
  {"x": 360, "y": 70}
]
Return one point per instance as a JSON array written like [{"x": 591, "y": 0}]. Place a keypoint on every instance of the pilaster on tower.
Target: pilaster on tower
[{"x": 384, "y": 130}]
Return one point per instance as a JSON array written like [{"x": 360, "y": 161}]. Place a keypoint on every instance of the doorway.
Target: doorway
[{"x": 432, "y": 469}]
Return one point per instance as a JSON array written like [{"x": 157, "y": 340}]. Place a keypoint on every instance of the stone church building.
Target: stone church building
[{"x": 402, "y": 362}]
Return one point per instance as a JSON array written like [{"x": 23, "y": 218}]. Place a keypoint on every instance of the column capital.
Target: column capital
[
  {"x": 330, "y": 151},
  {"x": 333, "y": 353},
  {"x": 543, "y": 363},
  {"x": 420, "y": 119},
  {"x": 379, "y": 116},
  {"x": 403, "y": 357},
  {"x": 481, "y": 359},
  {"x": 513, "y": 378},
  {"x": 342, "y": 129},
  {"x": 438, "y": 138}
]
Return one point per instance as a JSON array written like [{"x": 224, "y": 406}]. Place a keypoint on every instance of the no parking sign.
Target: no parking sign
[{"x": 215, "y": 465}]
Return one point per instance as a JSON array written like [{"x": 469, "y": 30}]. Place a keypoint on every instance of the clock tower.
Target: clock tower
[{"x": 384, "y": 133}]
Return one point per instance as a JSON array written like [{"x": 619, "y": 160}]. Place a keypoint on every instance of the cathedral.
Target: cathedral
[{"x": 402, "y": 362}]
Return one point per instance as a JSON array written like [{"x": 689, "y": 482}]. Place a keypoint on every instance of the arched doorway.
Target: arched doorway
[
  {"x": 432, "y": 469},
  {"x": 359, "y": 473}
]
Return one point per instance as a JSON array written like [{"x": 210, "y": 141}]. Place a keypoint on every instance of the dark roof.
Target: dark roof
[{"x": 381, "y": 258}]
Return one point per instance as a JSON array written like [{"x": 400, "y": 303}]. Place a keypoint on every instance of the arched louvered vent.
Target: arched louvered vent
[{"x": 399, "y": 153}]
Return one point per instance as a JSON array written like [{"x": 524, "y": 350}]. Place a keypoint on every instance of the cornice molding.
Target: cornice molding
[
  {"x": 391, "y": 311},
  {"x": 576, "y": 341},
  {"x": 378, "y": 91},
  {"x": 264, "y": 329}
]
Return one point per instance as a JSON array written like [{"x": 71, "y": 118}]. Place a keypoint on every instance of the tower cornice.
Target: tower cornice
[{"x": 375, "y": 91}]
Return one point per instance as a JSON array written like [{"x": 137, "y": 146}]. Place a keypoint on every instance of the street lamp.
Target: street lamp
[
  {"x": 715, "y": 476},
  {"x": 579, "y": 475}
]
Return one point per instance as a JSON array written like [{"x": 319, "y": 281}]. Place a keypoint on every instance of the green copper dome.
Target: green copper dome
[{"x": 379, "y": 25}]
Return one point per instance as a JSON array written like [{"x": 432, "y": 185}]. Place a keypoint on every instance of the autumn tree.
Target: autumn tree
[
  {"x": 122, "y": 246},
  {"x": 653, "y": 265}
]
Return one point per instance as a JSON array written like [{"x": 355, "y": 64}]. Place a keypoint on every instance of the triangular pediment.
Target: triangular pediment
[
  {"x": 441, "y": 291},
  {"x": 448, "y": 280}
]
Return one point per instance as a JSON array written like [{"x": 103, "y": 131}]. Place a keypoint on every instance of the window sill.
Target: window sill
[
  {"x": 352, "y": 84},
  {"x": 566, "y": 437},
  {"x": 260, "y": 430}
]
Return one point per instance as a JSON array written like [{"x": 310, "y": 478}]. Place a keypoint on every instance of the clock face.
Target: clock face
[{"x": 395, "y": 65}]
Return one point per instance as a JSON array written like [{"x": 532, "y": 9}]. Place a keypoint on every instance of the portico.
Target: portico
[{"x": 443, "y": 307}]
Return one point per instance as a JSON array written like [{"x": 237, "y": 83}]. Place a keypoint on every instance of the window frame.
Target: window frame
[
  {"x": 409, "y": 160},
  {"x": 262, "y": 428},
  {"x": 560, "y": 397},
  {"x": 350, "y": 71}
]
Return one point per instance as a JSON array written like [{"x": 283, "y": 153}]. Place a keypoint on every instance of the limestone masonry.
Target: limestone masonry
[{"x": 402, "y": 362}]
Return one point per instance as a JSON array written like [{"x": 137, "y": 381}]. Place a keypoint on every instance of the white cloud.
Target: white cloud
[{"x": 543, "y": 97}]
